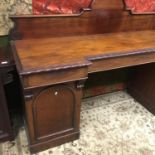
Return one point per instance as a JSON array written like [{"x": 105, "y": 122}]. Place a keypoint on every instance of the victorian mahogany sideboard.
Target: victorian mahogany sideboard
[
  {"x": 55, "y": 54},
  {"x": 53, "y": 76}
]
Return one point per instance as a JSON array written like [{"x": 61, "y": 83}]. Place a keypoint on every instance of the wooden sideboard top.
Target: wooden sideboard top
[{"x": 49, "y": 54}]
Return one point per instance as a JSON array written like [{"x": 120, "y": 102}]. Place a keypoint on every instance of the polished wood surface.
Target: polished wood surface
[
  {"x": 105, "y": 17},
  {"x": 68, "y": 52}
]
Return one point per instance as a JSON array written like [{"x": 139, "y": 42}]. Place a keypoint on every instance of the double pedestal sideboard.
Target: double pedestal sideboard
[{"x": 53, "y": 72}]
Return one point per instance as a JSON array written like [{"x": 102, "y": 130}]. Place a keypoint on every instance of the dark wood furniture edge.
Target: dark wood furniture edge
[
  {"x": 57, "y": 68},
  {"x": 121, "y": 54},
  {"x": 16, "y": 58}
]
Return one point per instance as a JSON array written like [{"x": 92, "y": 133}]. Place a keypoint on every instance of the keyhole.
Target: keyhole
[{"x": 56, "y": 93}]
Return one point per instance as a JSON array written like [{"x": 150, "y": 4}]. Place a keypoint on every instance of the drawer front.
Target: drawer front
[{"x": 55, "y": 77}]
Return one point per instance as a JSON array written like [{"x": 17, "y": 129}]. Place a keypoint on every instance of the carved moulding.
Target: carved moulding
[
  {"x": 140, "y": 6},
  {"x": 61, "y": 6}
]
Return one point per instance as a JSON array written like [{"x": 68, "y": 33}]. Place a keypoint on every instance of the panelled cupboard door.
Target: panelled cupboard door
[{"x": 55, "y": 112}]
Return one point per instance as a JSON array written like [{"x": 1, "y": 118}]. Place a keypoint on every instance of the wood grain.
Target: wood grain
[
  {"x": 105, "y": 17},
  {"x": 47, "y": 54}
]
